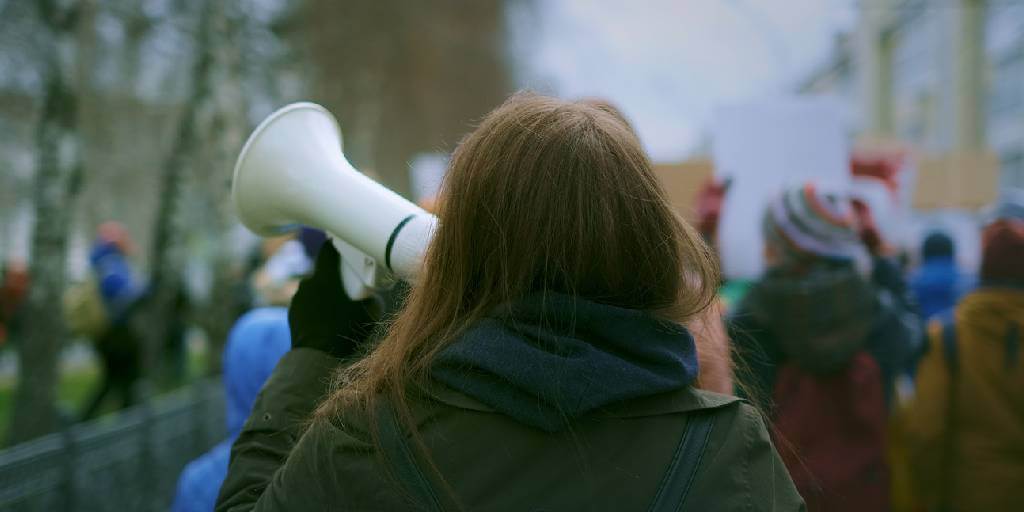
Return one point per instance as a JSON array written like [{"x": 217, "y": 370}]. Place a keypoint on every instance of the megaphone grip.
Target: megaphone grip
[{"x": 391, "y": 240}]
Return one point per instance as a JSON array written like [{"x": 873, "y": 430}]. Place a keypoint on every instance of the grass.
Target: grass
[
  {"x": 76, "y": 385},
  {"x": 73, "y": 389}
]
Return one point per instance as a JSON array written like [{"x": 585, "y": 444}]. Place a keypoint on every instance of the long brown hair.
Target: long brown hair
[{"x": 545, "y": 195}]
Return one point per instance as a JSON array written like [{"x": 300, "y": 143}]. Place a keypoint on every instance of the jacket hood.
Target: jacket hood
[
  {"x": 256, "y": 342},
  {"x": 548, "y": 359},
  {"x": 937, "y": 285},
  {"x": 820, "y": 318}
]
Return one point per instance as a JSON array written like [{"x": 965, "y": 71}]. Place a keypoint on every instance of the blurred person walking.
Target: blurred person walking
[
  {"x": 819, "y": 344},
  {"x": 14, "y": 286},
  {"x": 938, "y": 284},
  {"x": 117, "y": 341},
  {"x": 544, "y": 334},
  {"x": 256, "y": 343},
  {"x": 285, "y": 261},
  {"x": 965, "y": 426}
]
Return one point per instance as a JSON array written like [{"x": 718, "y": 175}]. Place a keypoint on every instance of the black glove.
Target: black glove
[{"x": 321, "y": 315}]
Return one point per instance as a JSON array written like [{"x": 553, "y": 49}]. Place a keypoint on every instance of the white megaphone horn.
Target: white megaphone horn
[{"x": 292, "y": 172}]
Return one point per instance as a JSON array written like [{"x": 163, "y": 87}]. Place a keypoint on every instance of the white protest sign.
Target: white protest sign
[{"x": 766, "y": 146}]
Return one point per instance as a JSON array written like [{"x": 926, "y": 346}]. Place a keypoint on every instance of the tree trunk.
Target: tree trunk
[
  {"x": 214, "y": 114},
  {"x": 225, "y": 135},
  {"x": 58, "y": 172},
  {"x": 165, "y": 280},
  {"x": 218, "y": 315}
]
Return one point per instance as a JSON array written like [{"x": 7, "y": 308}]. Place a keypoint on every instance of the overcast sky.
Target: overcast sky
[{"x": 667, "y": 63}]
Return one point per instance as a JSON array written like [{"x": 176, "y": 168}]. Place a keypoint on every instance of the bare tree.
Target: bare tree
[
  {"x": 165, "y": 260},
  {"x": 406, "y": 76},
  {"x": 224, "y": 132},
  {"x": 209, "y": 135},
  {"x": 352, "y": 46},
  {"x": 58, "y": 174}
]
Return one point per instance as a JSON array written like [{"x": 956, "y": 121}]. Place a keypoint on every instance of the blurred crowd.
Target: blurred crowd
[
  {"x": 888, "y": 382},
  {"x": 887, "y": 386}
]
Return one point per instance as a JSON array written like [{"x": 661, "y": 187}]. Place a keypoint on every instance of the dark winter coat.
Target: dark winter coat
[
  {"x": 577, "y": 410},
  {"x": 256, "y": 343},
  {"x": 820, "y": 320}
]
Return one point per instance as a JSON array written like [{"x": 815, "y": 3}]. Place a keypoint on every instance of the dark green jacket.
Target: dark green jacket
[{"x": 613, "y": 459}]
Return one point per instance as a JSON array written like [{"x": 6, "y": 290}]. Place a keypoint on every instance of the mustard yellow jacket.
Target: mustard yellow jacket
[{"x": 964, "y": 430}]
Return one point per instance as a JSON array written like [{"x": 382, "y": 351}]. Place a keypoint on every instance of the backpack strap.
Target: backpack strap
[
  {"x": 398, "y": 453},
  {"x": 671, "y": 494},
  {"x": 949, "y": 352},
  {"x": 682, "y": 470},
  {"x": 949, "y": 349},
  {"x": 1011, "y": 343}
]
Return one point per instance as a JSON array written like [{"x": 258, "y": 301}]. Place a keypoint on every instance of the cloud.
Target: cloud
[{"x": 667, "y": 63}]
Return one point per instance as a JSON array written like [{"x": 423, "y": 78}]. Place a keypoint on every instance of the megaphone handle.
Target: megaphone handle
[
  {"x": 354, "y": 288},
  {"x": 351, "y": 281}
]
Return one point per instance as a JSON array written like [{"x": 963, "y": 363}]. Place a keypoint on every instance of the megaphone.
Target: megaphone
[{"x": 292, "y": 172}]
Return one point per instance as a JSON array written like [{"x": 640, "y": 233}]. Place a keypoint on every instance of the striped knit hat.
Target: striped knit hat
[{"x": 805, "y": 224}]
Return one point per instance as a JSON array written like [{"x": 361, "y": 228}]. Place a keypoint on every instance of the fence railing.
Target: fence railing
[{"x": 123, "y": 462}]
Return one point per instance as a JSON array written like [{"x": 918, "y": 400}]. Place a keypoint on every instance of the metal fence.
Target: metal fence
[{"x": 123, "y": 462}]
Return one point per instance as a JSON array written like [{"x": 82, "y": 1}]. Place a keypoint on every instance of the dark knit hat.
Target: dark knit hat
[
  {"x": 1002, "y": 241},
  {"x": 804, "y": 223},
  {"x": 937, "y": 245}
]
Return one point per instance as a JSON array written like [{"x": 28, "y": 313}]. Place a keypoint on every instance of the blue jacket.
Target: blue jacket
[
  {"x": 256, "y": 342},
  {"x": 117, "y": 284},
  {"x": 938, "y": 285}
]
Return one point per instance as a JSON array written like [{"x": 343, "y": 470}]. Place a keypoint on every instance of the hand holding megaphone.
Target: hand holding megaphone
[{"x": 292, "y": 172}]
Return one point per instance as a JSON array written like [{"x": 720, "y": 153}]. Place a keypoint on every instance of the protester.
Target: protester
[
  {"x": 117, "y": 342},
  {"x": 938, "y": 284},
  {"x": 311, "y": 240},
  {"x": 710, "y": 202},
  {"x": 965, "y": 426},
  {"x": 284, "y": 262},
  {"x": 818, "y": 344},
  {"x": 14, "y": 286},
  {"x": 610, "y": 108},
  {"x": 256, "y": 342},
  {"x": 539, "y": 362}
]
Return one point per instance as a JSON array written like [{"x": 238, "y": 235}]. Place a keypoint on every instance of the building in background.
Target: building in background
[
  {"x": 836, "y": 78},
  {"x": 940, "y": 76},
  {"x": 1004, "y": 44}
]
